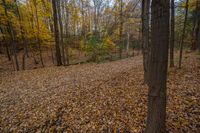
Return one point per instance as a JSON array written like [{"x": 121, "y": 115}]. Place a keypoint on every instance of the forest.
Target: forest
[{"x": 100, "y": 66}]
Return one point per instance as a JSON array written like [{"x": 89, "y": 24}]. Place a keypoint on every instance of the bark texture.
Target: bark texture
[
  {"x": 183, "y": 35},
  {"x": 158, "y": 67},
  {"x": 12, "y": 39},
  {"x": 172, "y": 34},
  {"x": 56, "y": 32},
  {"x": 61, "y": 31},
  {"x": 145, "y": 36},
  {"x": 196, "y": 27}
]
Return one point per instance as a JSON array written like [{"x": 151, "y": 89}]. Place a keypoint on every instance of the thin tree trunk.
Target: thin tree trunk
[
  {"x": 38, "y": 33},
  {"x": 22, "y": 35},
  {"x": 52, "y": 55},
  {"x": 172, "y": 34},
  {"x": 61, "y": 31},
  {"x": 12, "y": 37},
  {"x": 6, "y": 46},
  {"x": 156, "y": 117},
  {"x": 128, "y": 43},
  {"x": 145, "y": 36},
  {"x": 121, "y": 29},
  {"x": 196, "y": 27},
  {"x": 83, "y": 24},
  {"x": 56, "y": 32},
  {"x": 67, "y": 31},
  {"x": 183, "y": 35}
]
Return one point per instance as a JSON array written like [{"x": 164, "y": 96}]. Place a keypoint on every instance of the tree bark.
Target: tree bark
[
  {"x": 67, "y": 31},
  {"x": 128, "y": 43},
  {"x": 196, "y": 27},
  {"x": 121, "y": 29},
  {"x": 145, "y": 36},
  {"x": 22, "y": 36},
  {"x": 83, "y": 29},
  {"x": 12, "y": 37},
  {"x": 56, "y": 32},
  {"x": 61, "y": 31},
  {"x": 183, "y": 35},
  {"x": 197, "y": 32},
  {"x": 6, "y": 45},
  {"x": 38, "y": 33},
  {"x": 156, "y": 117},
  {"x": 172, "y": 34},
  {"x": 52, "y": 55}
]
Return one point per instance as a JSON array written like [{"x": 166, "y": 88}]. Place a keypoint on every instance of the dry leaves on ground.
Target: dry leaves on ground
[{"x": 108, "y": 97}]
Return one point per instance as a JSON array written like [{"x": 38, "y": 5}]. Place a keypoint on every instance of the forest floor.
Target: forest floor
[{"x": 106, "y": 97}]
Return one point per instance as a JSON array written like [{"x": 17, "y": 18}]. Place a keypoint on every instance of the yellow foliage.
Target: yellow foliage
[{"x": 109, "y": 43}]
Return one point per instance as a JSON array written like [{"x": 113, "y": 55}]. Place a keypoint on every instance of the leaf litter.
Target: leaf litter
[{"x": 107, "y": 97}]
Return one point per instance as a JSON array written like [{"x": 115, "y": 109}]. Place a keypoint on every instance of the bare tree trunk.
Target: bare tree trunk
[
  {"x": 121, "y": 29},
  {"x": 52, "y": 55},
  {"x": 38, "y": 33},
  {"x": 145, "y": 36},
  {"x": 6, "y": 46},
  {"x": 183, "y": 35},
  {"x": 172, "y": 34},
  {"x": 196, "y": 27},
  {"x": 156, "y": 117},
  {"x": 61, "y": 31},
  {"x": 197, "y": 32},
  {"x": 56, "y": 32},
  {"x": 12, "y": 37},
  {"x": 83, "y": 23},
  {"x": 67, "y": 31},
  {"x": 128, "y": 43},
  {"x": 22, "y": 35}
]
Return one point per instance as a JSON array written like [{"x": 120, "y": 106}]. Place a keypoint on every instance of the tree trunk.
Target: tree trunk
[
  {"x": 52, "y": 55},
  {"x": 56, "y": 32},
  {"x": 121, "y": 29},
  {"x": 12, "y": 37},
  {"x": 183, "y": 35},
  {"x": 128, "y": 43},
  {"x": 83, "y": 29},
  {"x": 145, "y": 36},
  {"x": 172, "y": 34},
  {"x": 156, "y": 117},
  {"x": 196, "y": 27},
  {"x": 197, "y": 33},
  {"x": 6, "y": 46},
  {"x": 22, "y": 36},
  {"x": 61, "y": 31},
  {"x": 38, "y": 33},
  {"x": 67, "y": 31}
]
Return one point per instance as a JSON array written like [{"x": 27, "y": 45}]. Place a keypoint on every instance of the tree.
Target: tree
[
  {"x": 121, "y": 28},
  {"x": 67, "y": 29},
  {"x": 97, "y": 9},
  {"x": 61, "y": 30},
  {"x": 172, "y": 34},
  {"x": 196, "y": 27},
  {"x": 6, "y": 45},
  {"x": 38, "y": 31},
  {"x": 12, "y": 37},
  {"x": 56, "y": 33},
  {"x": 145, "y": 36},
  {"x": 22, "y": 36},
  {"x": 158, "y": 66},
  {"x": 183, "y": 35}
]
